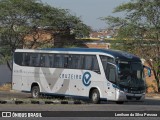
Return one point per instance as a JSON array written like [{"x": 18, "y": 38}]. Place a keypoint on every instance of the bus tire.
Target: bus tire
[
  {"x": 95, "y": 96},
  {"x": 35, "y": 92}
]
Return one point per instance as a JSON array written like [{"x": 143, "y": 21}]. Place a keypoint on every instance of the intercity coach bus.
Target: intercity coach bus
[{"x": 97, "y": 74}]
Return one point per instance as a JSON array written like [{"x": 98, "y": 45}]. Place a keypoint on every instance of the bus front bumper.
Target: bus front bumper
[{"x": 123, "y": 96}]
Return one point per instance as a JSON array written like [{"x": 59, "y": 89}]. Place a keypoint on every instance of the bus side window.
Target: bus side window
[
  {"x": 46, "y": 60},
  {"x": 42, "y": 60},
  {"x": 59, "y": 61},
  {"x": 88, "y": 62},
  {"x": 91, "y": 63},
  {"x": 106, "y": 59},
  {"x": 18, "y": 58},
  {"x": 95, "y": 64},
  {"x": 26, "y": 59},
  {"x": 104, "y": 62},
  {"x": 111, "y": 73},
  {"x": 75, "y": 62},
  {"x": 51, "y": 60},
  {"x": 34, "y": 61},
  {"x": 67, "y": 60}
]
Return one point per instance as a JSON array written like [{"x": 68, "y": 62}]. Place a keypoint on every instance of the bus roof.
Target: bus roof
[{"x": 115, "y": 53}]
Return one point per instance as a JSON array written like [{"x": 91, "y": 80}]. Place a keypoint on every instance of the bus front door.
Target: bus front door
[{"x": 111, "y": 83}]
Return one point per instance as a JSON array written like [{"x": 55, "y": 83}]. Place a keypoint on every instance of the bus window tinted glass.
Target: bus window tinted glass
[
  {"x": 18, "y": 58},
  {"x": 91, "y": 63},
  {"x": 88, "y": 63},
  {"x": 95, "y": 64},
  {"x": 58, "y": 63},
  {"x": 67, "y": 60},
  {"x": 34, "y": 59},
  {"x": 42, "y": 60},
  {"x": 106, "y": 59},
  {"x": 111, "y": 73},
  {"x": 51, "y": 60},
  {"x": 46, "y": 60},
  {"x": 111, "y": 60},
  {"x": 104, "y": 62},
  {"x": 76, "y": 61},
  {"x": 26, "y": 59}
]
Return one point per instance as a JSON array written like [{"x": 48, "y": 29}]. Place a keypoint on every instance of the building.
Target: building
[{"x": 104, "y": 33}]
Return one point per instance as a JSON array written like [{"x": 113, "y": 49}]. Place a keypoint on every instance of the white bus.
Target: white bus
[{"x": 97, "y": 74}]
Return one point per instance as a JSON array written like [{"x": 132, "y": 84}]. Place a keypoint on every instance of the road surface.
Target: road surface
[{"x": 149, "y": 105}]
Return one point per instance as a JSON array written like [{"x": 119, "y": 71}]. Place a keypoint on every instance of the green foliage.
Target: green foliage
[
  {"x": 4, "y": 59},
  {"x": 140, "y": 27},
  {"x": 19, "y": 18},
  {"x": 71, "y": 46},
  {"x": 48, "y": 45}
]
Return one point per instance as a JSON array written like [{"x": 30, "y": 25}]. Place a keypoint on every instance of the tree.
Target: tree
[
  {"x": 140, "y": 27},
  {"x": 19, "y": 18}
]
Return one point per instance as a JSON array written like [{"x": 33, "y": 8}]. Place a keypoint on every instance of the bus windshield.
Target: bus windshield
[{"x": 131, "y": 74}]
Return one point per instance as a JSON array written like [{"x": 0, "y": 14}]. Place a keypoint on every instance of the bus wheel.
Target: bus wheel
[
  {"x": 95, "y": 96},
  {"x": 35, "y": 92}
]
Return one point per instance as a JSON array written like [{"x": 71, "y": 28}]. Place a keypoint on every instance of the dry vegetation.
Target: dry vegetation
[{"x": 5, "y": 87}]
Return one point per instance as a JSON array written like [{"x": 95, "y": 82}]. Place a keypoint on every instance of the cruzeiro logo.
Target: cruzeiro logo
[{"x": 86, "y": 79}]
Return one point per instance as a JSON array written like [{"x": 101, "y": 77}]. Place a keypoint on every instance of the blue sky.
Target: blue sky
[{"x": 89, "y": 10}]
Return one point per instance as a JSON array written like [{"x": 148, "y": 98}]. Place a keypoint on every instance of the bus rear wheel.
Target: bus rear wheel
[
  {"x": 95, "y": 96},
  {"x": 35, "y": 92}
]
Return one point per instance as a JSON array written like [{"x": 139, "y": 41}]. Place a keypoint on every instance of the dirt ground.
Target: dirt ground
[
  {"x": 151, "y": 84},
  {"x": 5, "y": 87}
]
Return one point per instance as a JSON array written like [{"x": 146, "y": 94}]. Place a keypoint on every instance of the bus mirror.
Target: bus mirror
[{"x": 149, "y": 70}]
